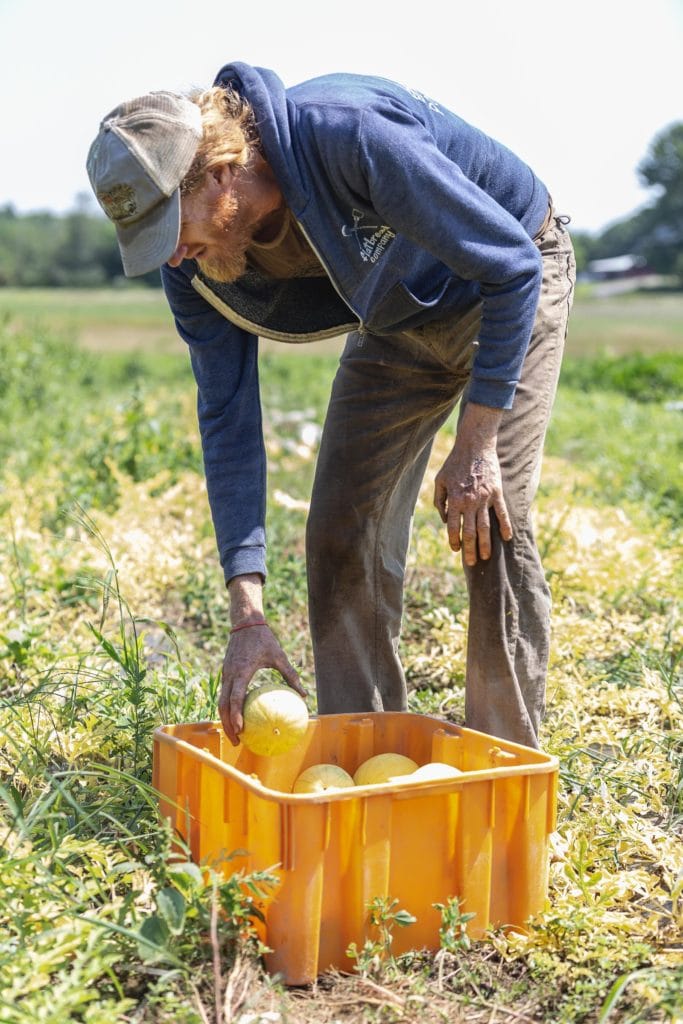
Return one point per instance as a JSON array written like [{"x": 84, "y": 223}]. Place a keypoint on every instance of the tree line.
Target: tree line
[
  {"x": 73, "y": 250},
  {"x": 79, "y": 249},
  {"x": 655, "y": 232}
]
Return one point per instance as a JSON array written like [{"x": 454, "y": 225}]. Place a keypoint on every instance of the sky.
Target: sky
[{"x": 577, "y": 88}]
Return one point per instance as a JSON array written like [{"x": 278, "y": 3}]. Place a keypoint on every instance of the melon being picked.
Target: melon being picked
[
  {"x": 383, "y": 768},
  {"x": 275, "y": 719},
  {"x": 320, "y": 778}
]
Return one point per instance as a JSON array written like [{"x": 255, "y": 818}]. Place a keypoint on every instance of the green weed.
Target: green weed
[
  {"x": 374, "y": 958},
  {"x": 453, "y": 935}
]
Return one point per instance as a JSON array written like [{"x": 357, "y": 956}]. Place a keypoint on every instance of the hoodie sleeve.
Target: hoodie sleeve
[
  {"x": 424, "y": 194},
  {"x": 224, "y": 362}
]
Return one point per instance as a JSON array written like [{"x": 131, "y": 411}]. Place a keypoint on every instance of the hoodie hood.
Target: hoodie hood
[{"x": 276, "y": 118}]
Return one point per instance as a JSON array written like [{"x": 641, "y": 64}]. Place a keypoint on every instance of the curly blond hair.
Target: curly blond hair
[{"x": 229, "y": 133}]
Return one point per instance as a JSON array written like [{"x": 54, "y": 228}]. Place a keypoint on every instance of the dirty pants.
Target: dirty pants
[{"x": 389, "y": 398}]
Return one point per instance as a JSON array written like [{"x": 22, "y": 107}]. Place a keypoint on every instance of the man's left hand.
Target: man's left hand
[{"x": 469, "y": 484}]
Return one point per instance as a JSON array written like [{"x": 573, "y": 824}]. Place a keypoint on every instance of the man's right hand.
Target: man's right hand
[{"x": 249, "y": 650}]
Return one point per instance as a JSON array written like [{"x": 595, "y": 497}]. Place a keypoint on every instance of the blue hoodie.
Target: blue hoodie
[{"x": 414, "y": 214}]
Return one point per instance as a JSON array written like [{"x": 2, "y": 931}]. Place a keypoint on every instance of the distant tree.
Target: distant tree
[
  {"x": 663, "y": 165},
  {"x": 44, "y": 249},
  {"x": 623, "y": 236},
  {"x": 27, "y": 247},
  {"x": 662, "y": 168},
  {"x": 584, "y": 243},
  {"x": 77, "y": 262},
  {"x": 654, "y": 232}
]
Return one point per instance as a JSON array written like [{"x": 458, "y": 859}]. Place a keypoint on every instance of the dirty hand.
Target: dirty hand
[
  {"x": 252, "y": 646},
  {"x": 249, "y": 650},
  {"x": 469, "y": 484}
]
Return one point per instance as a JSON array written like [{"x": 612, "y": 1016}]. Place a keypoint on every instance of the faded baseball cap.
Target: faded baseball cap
[{"x": 142, "y": 152}]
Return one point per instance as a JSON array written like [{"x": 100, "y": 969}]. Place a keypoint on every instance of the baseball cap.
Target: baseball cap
[{"x": 142, "y": 152}]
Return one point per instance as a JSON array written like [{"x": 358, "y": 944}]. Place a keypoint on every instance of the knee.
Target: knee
[{"x": 335, "y": 538}]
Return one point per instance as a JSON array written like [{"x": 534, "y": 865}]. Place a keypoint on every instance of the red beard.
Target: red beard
[{"x": 234, "y": 236}]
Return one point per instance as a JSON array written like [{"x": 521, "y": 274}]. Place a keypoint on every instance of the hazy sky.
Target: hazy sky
[{"x": 578, "y": 88}]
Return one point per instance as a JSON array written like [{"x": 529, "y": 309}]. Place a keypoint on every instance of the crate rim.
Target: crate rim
[{"x": 403, "y": 790}]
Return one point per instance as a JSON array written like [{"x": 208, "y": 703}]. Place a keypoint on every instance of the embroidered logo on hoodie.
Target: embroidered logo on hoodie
[{"x": 372, "y": 239}]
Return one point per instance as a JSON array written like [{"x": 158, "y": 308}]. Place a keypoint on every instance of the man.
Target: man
[{"x": 353, "y": 204}]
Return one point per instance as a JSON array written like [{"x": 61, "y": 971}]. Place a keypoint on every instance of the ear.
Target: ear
[{"x": 221, "y": 174}]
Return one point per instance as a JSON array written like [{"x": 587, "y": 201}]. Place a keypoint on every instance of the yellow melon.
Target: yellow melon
[
  {"x": 383, "y": 768},
  {"x": 321, "y": 777},
  {"x": 434, "y": 770},
  {"x": 275, "y": 719}
]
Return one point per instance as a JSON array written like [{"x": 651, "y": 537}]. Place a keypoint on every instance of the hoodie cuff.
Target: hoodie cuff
[
  {"x": 498, "y": 394},
  {"x": 241, "y": 561}
]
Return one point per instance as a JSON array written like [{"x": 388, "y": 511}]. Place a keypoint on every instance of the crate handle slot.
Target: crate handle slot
[{"x": 496, "y": 754}]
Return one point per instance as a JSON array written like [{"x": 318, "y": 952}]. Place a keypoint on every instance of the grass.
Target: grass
[
  {"x": 128, "y": 319},
  {"x": 633, "y": 322},
  {"x": 113, "y": 619},
  {"x": 125, "y": 319},
  {"x": 136, "y": 318},
  {"x": 634, "y": 449}
]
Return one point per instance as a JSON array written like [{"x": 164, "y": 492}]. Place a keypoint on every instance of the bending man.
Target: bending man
[{"x": 357, "y": 205}]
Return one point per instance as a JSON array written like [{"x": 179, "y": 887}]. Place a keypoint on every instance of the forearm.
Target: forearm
[
  {"x": 246, "y": 599},
  {"x": 479, "y": 425}
]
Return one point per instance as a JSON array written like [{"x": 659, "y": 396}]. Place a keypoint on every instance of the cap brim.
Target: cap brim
[{"x": 148, "y": 243}]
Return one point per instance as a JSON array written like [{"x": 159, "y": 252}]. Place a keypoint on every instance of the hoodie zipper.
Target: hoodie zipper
[{"x": 361, "y": 328}]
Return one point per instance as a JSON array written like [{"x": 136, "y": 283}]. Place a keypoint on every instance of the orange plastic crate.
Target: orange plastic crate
[{"x": 482, "y": 836}]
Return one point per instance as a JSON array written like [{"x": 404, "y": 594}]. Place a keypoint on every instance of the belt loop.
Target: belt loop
[{"x": 546, "y": 222}]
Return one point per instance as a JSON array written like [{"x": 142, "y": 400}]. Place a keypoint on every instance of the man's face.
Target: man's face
[{"x": 218, "y": 223}]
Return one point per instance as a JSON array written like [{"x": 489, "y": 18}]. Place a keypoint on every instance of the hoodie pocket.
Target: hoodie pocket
[{"x": 400, "y": 309}]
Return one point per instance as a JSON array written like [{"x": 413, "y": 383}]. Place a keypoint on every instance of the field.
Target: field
[
  {"x": 113, "y": 619},
  {"x": 134, "y": 319}
]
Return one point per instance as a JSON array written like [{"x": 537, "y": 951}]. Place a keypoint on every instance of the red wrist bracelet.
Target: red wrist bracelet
[{"x": 246, "y": 625}]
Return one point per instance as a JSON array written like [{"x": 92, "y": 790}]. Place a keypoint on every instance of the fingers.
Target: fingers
[
  {"x": 475, "y": 533},
  {"x": 469, "y": 530},
  {"x": 230, "y": 703},
  {"x": 466, "y": 528},
  {"x": 288, "y": 672},
  {"x": 500, "y": 508},
  {"x": 244, "y": 656},
  {"x": 290, "y": 676},
  {"x": 466, "y": 487},
  {"x": 440, "y": 500},
  {"x": 483, "y": 538},
  {"x": 453, "y": 527}
]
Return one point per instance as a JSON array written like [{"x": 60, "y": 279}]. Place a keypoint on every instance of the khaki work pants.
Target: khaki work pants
[{"x": 389, "y": 398}]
